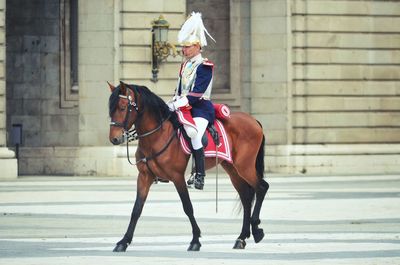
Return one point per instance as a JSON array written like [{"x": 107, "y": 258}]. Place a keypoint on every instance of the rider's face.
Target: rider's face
[{"x": 191, "y": 51}]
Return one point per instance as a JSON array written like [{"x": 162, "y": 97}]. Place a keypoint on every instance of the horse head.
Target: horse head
[{"x": 123, "y": 111}]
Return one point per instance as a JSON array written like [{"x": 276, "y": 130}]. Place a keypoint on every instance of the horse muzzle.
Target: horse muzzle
[{"x": 117, "y": 140}]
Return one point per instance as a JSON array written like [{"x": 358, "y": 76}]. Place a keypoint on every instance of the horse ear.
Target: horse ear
[
  {"x": 111, "y": 86},
  {"x": 122, "y": 86}
]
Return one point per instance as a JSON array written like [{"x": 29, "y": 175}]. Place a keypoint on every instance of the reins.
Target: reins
[{"x": 133, "y": 136}]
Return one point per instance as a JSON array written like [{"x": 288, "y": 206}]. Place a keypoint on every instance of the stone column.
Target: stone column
[
  {"x": 97, "y": 62},
  {"x": 96, "y": 67},
  {"x": 270, "y": 77},
  {"x": 8, "y": 162}
]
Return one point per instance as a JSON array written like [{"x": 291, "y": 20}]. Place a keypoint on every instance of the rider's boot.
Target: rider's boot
[{"x": 200, "y": 168}]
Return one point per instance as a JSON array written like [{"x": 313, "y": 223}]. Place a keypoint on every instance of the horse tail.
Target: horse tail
[{"x": 260, "y": 158}]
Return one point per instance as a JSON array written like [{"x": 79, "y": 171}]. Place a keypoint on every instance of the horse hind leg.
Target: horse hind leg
[
  {"x": 260, "y": 187},
  {"x": 254, "y": 177},
  {"x": 246, "y": 194},
  {"x": 261, "y": 191}
]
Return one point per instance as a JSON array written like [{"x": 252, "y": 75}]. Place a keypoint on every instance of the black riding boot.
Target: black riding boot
[{"x": 200, "y": 171}]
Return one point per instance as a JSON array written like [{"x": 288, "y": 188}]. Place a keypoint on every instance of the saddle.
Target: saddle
[
  {"x": 214, "y": 140},
  {"x": 211, "y": 130}
]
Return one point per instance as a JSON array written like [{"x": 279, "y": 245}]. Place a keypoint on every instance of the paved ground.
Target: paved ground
[{"x": 307, "y": 220}]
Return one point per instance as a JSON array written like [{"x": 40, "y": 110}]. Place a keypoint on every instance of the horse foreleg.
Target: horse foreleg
[
  {"x": 258, "y": 233},
  {"x": 188, "y": 208},
  {"x": 143, "y": 185}
]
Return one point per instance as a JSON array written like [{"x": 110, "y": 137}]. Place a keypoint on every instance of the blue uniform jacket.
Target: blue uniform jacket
[{"x": 201, "y": 107}]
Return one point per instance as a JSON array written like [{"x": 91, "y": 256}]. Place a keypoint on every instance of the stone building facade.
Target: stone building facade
[
  {"x": 8, "y": 162},
  {"x": 321, "y": 76}
]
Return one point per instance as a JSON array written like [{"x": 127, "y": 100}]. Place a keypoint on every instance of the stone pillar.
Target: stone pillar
[
  {"x": 96, "y": 67},
  {"x": 98, "y": 47},
  {"x": 270, "y": 80},
  {"x": 8, "y": 163}
]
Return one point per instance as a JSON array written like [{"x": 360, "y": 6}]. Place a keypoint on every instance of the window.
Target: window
[{"x": 68, "y": 53}]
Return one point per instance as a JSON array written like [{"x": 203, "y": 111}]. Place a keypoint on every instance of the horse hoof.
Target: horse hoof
[
  {"x": 120, "y": 248},
  {"x": 194, "y": 247},
  {"x": 258, "y": 235},
  {"x": 239, "y": 244}
]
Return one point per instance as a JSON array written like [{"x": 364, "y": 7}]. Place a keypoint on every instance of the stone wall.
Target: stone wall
[
  {"x": 342, "y": 103},
  {"x": 135, "y": 43},
  {"x": 135, "y": 52},
  {"x": 270, "y": 76},
  {"x": 346, "y": 72},
  {"x": 98, "y": 49},
  {"x": 114, "y": 44},
  {"x": 321, "y": 76},
  {"x": 216, "y": 18},
  {"x": 33, "y": 75},
  {"x": 8, "y": 163},
  {"x": 2, "y": 76}
]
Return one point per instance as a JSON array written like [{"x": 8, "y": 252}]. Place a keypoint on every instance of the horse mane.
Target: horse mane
[
  {"x": 152, "y": 103},
  {"x": 148, "y": 102},
  {"x": 113, "y": 101}
]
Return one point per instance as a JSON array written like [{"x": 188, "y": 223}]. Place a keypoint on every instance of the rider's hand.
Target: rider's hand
[
  {"x": 171, "y": 106},
  {"x": 181, "y": 102}
]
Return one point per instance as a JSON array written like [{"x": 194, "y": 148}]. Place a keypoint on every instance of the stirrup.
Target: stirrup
[
  {"x": 199, "y": 181},
  {"x": 190, "y": 180}
]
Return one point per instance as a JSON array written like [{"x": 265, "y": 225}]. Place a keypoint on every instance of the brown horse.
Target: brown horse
[{"x": 159, "y": 154}]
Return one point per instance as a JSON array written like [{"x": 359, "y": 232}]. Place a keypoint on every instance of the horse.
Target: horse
[{"x": 159, "y": 153}]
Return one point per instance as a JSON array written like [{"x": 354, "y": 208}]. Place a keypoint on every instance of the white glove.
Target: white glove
[
  {"x": 181, "y": 102},
  {"x": 170, "y": 105}
]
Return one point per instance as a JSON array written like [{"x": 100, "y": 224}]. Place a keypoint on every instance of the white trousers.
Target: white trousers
[{"x": 201, "y": 125}]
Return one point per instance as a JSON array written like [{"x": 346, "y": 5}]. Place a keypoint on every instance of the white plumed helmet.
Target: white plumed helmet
[{"x": 193, "y": 31}]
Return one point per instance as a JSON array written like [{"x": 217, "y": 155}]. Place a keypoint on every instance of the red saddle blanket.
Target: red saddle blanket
[{"x": 224, "y": 149}]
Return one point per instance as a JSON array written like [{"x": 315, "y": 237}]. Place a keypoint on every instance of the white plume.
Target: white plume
[{"x": 193, "y": 31}]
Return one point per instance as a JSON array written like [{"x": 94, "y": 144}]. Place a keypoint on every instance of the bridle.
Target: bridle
[
  {"x": 132, "y": 135},
  {"x": 132, "y": 105}
]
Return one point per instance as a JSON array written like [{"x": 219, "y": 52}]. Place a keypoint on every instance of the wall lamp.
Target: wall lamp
[{"x": 160, "y": 46}]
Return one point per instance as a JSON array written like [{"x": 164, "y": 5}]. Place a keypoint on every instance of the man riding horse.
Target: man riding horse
[
  {"x": 194, "y": 89},
  {"x": 160, "y": 152}
]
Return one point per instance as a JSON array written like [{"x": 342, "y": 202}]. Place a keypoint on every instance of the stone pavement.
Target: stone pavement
[{"x": 307, "y": 220}]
